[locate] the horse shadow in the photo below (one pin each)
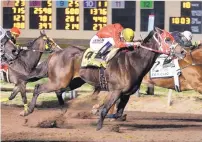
(160, 127)
(159, 123)
(50, 104)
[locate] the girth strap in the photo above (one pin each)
(103, 80)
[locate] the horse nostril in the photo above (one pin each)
(15, 52)
(182, 52)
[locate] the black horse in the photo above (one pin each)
(26, 62)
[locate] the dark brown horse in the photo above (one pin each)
(25, 63)
(190, 78)
(191, 74)
(125, 71)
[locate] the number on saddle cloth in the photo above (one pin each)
(88, 59)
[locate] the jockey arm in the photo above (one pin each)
(9, 35)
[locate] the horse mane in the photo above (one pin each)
(149, 36)
(81, 48)
(30, 44)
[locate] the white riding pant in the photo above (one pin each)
(97, 43)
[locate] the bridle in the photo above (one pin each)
(48, 44)
(162, 42)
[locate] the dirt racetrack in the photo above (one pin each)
(77, 124)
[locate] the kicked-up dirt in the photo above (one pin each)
(78, 124)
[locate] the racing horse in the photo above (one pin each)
(190, 78)
(125, 72)
(26, 61)
(64, 69)
(191, 74)
(8, 50)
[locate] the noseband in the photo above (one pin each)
(162, 43)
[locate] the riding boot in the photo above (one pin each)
(103, 51)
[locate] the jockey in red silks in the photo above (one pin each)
(113, 35)
(13, 34)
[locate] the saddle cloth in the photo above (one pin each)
(161, 71)
(169, 70)
(89, 59)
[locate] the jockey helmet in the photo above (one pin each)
(128, 34)
(15, 32)
(188, 35)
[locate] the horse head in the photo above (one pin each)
(167, 44)
(8, 49)
(44, 43)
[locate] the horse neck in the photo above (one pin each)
(148, 58)
(142, 60)
(28, 59)
(194, 57)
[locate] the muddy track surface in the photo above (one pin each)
(51, 124)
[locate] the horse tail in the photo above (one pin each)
(41, 71)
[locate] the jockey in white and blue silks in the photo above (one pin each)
(113, 35)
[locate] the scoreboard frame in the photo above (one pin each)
(81, 33)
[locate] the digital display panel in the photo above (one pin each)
(95, 14)
(13, 14)
(40, 14)
(67, 15)
(124, 12)
(157, 9)
(191, 18)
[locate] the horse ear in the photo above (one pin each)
(158, 30)
(43, 32)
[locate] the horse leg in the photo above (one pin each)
(121, 105)
(114, 96)
(150, 89)
(59, 96)
(24, 98)
(16, 89)
(96, 91)
(40, 88)
(199, 88)
(75, 83)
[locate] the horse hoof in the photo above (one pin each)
(22, 113)
(122, 118)
(94, 111)
(98, 128)
(63, 110)
(112, 119)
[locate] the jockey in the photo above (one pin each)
(184, 38)
(113, 35)
(13, 34)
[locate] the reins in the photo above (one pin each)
(154, 50)
(37, 50)
(160, 45)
